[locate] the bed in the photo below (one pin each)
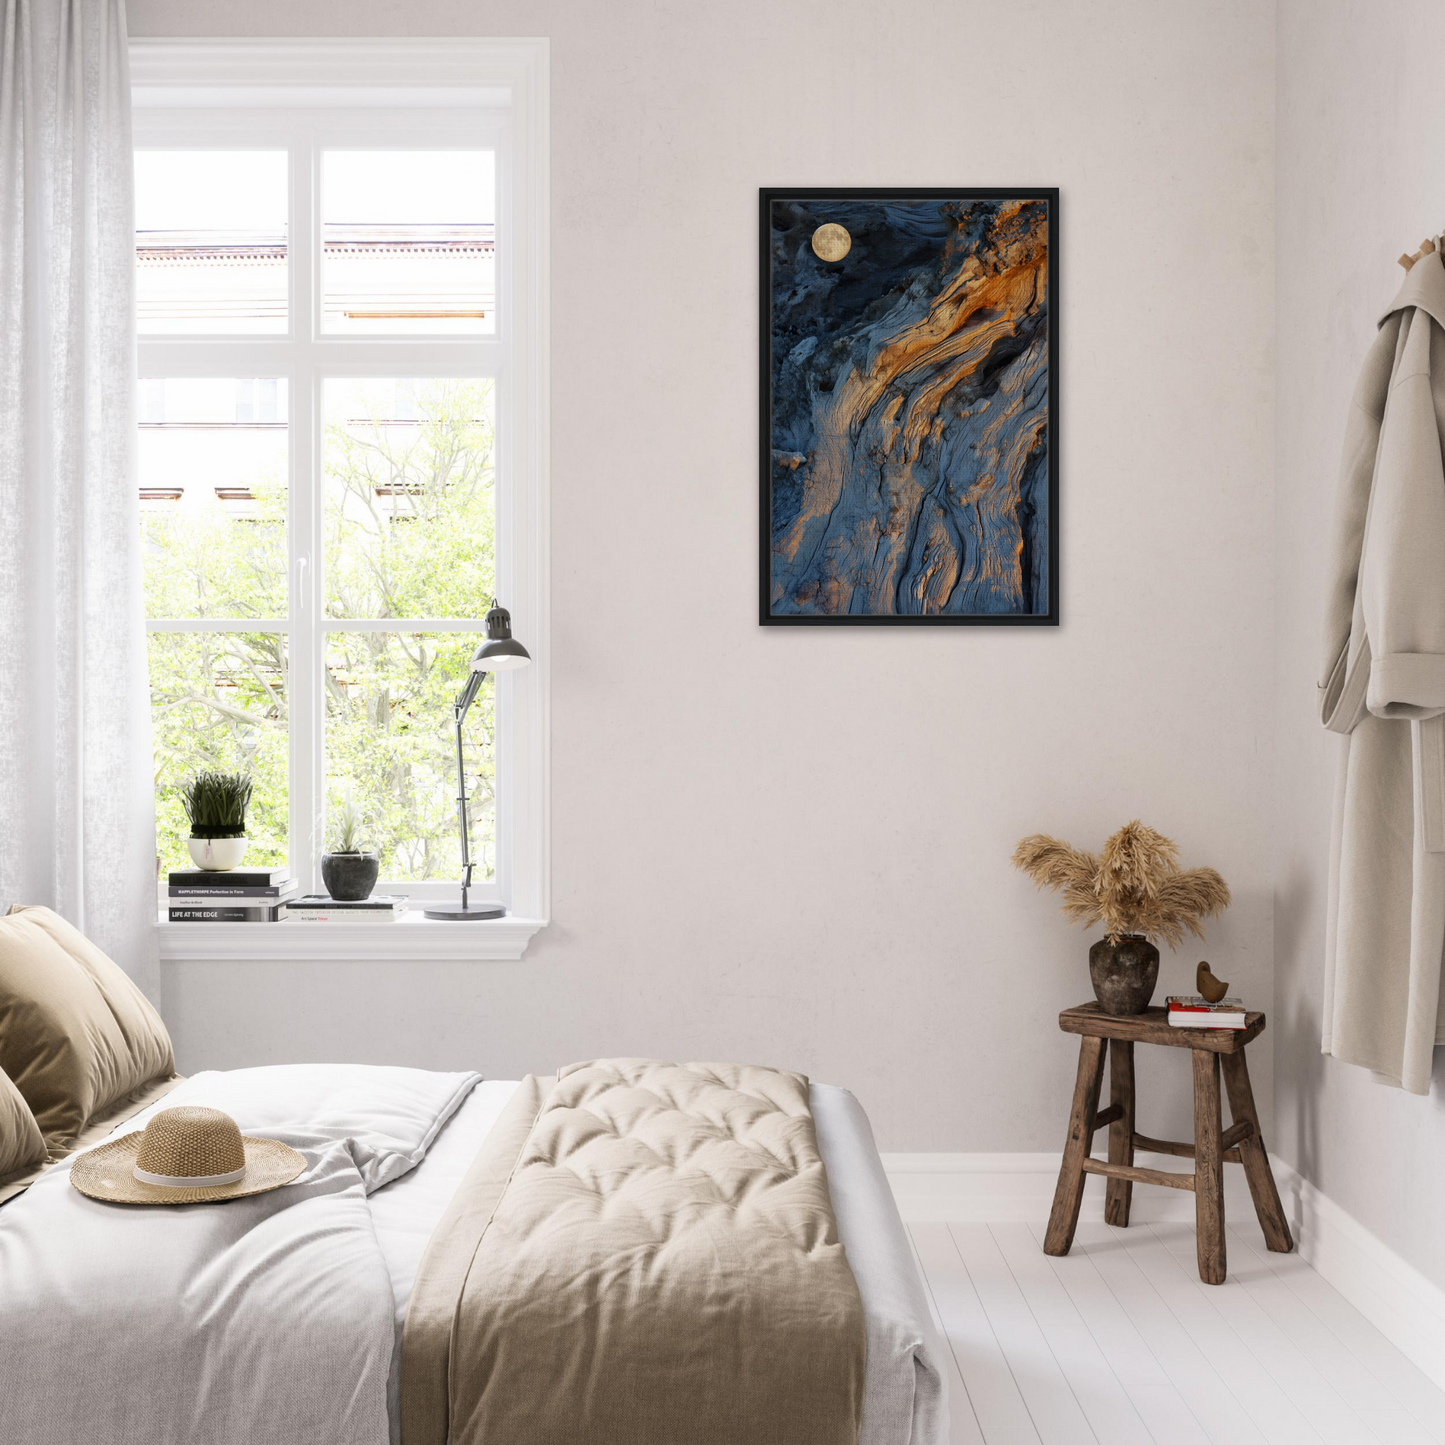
(628, 1252)
(88, 1313)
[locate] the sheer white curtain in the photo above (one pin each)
(76, 799)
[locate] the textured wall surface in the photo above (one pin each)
(1361, 179)
(910, 409)
(790, 845)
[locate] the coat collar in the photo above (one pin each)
(1424, 287)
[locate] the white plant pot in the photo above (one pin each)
(217, 854)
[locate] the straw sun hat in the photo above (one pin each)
(187, 1155)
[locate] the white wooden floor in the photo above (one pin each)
(1120, 1344)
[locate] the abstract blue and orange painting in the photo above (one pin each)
(909, 403)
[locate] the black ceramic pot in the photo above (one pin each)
(1124, 973)
(350, 877)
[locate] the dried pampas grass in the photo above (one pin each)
(1134, 886)
(1070, 871)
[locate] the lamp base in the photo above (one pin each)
(460, 912)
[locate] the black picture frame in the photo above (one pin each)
(768, 197)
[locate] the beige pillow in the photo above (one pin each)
(76, 1035)
(21, 1145)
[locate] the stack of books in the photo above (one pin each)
(1193, 1011)
(318, 908)
(240, 895)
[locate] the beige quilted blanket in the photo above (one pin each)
(644, 1254)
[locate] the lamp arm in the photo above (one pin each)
(467, 695)
(460, 707)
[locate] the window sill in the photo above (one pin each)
(411, 937)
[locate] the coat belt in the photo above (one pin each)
(1343, 708)
(1342, 696)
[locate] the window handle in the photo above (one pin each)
(301, 565)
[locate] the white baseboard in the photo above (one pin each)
(1405, 1306)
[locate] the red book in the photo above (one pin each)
(1190, 1011)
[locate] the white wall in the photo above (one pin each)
(791, 846)
(1361, 178)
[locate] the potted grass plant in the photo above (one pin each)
(216, 805)
(1137, 890)
(350, 869)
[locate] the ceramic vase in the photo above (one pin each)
(1124, 973)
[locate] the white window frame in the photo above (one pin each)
(381, 94)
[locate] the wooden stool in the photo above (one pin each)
(1241, 1143)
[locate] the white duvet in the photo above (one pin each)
(262, 1321)
(274, 1318)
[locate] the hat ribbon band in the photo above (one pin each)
(189, 1181)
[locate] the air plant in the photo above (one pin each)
(1135, 886)
(347, 832)
(216, 804)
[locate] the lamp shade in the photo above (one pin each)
(501, 651)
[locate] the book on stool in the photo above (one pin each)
(1194, 1011)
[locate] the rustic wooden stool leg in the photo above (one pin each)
(1255, 1157)
(1064, 1218)
(1208, 1168)
(1119, 1193)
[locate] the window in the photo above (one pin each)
(341, 439)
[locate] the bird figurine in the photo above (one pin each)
(1210, 987)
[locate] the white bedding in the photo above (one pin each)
(904, 1401)
(263, 1321)
(278, 1318)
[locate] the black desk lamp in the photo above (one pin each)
(499, 653)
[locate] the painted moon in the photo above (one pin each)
(831, 242)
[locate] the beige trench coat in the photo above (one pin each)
(1384, 688)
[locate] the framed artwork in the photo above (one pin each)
(909, 407)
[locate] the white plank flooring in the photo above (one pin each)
(1120, 1344)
